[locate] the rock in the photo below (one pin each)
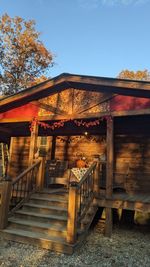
(126, 248)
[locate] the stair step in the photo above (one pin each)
(50, 229)
(55, 190)
(45, 206)
(54, 201)
(52, 195)
(45, 209)
(60, 194)
(58, 191)
(52, 243)
(58, 219)
(50, 198)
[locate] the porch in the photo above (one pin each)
(126, 168)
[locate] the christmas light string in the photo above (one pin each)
(61, 123)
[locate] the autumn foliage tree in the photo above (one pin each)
(24, 59)
(135, 75)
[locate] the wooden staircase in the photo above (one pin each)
(42, 221)
(56, 219)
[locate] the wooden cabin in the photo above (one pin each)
(76, 143)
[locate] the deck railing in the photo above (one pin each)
(13, 194)
(81, 197)
(24, 185)
(85, 192)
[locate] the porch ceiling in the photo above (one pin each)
(122, 125)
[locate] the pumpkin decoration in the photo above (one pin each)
(81, 163)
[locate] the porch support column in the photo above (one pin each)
(53, 147)
(109, 173)
(41, 173)
(33, 143)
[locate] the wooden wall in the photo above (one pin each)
(19, 155)
(70, 148)
(60, 147)
(132, 157)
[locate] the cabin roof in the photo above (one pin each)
(84, 82)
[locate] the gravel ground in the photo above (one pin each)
(126, 248)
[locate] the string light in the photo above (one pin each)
(61, 123)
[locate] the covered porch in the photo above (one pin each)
(123, 169)
(56, 123)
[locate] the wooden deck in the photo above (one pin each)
(137, 202)
(144, 198)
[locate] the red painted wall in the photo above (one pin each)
(118, 103)
(26, 111)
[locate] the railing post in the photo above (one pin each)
(72, 213)
(6, 187)
(96, 177)
(41, 173)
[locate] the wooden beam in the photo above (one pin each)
(105, 98)
(97, 115)
(33, 143)
(106, 81)
(110, 157)
(10, 156)
(48, 107)
(131, 112)
(5, 130)
(108, 222)
(41, 173)
(5, 195)
(110, 85)
(37, 89)
(72, 215)
(80, 116)
(97, 177)
(109, 173)
(16, 119)
(123, 204)
(53, 148)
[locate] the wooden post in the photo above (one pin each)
(109, 174)
(72, 214)
(6, 187)
(41, 174)
(10, 157)
(96, 177)
(33, 143)
(53, 147)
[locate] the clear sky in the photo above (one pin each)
(91, 37)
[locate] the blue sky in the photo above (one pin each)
(91, 37)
